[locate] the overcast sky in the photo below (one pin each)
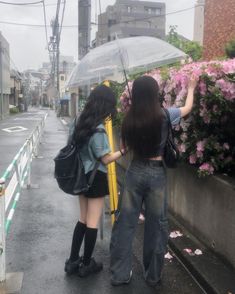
(28, 44)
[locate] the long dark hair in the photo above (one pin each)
(101, 104)
(141, 128)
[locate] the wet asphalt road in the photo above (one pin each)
(40, 236)
(11, 140)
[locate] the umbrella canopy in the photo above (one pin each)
(137, 54)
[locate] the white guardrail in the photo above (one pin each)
(16, 176)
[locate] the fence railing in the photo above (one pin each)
(15, 177)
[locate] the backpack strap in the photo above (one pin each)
(93, 173)
(100, 130)
(169, 122)
(167, 114)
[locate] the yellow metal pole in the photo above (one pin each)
(112, 178)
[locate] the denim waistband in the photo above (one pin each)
(149, 162)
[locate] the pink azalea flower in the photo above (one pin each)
(202, 88)
(226, 146)
(121, 98)
(201, 145)
(192, 158)
(182, 148)
(184, 137)
(206, 118)
(215, 108)
(177, 127)
(199, 154)
(207, 167)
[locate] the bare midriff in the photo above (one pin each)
(155, 158)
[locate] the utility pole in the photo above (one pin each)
(1, 80)
(54, 45)
(84, 27)
(84, 34)
(56, 33)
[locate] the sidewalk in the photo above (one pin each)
(39, 239)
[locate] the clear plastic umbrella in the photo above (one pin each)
(136, 54)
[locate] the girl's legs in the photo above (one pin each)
(123, 234)
(72, 263)
(155, 231)
(94, 212)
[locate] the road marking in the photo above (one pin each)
(15, 129)
(28, 118)
(34, 113)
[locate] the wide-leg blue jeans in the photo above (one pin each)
(145, 182)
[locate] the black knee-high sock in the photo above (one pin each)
(78, 235)
(89, 244)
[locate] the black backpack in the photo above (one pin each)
(69, 169)
(171, 152)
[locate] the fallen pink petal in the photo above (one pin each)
(198, 252)
(189, 251)
(168, 255)
(175, 234)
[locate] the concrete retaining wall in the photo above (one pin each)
(206, 207)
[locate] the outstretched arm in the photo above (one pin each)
(113, 156)
(186, 109)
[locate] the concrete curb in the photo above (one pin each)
(209, 270)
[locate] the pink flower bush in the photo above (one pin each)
(206, 169)
(206, 138)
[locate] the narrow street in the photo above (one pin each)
(160, 76)
(39, 239)
(14, 131)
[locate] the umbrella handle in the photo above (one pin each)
(123, 67)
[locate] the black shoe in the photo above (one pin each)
(92, 267)
(72, 267)
(119, 283)
(156, 285)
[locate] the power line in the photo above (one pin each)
(22, 24)
(101, 24)
(22, 3)
(51, 4)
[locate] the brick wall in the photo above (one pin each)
(219, 27)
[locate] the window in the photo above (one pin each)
(111, 22)
(62, 78)
(129, 9)
(158, 11)
(152, 10)
(148, 10)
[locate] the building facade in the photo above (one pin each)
(4, 76)
(16, 96)
(199, 21)
(66, 65)
(219, 27)
(127, 18)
